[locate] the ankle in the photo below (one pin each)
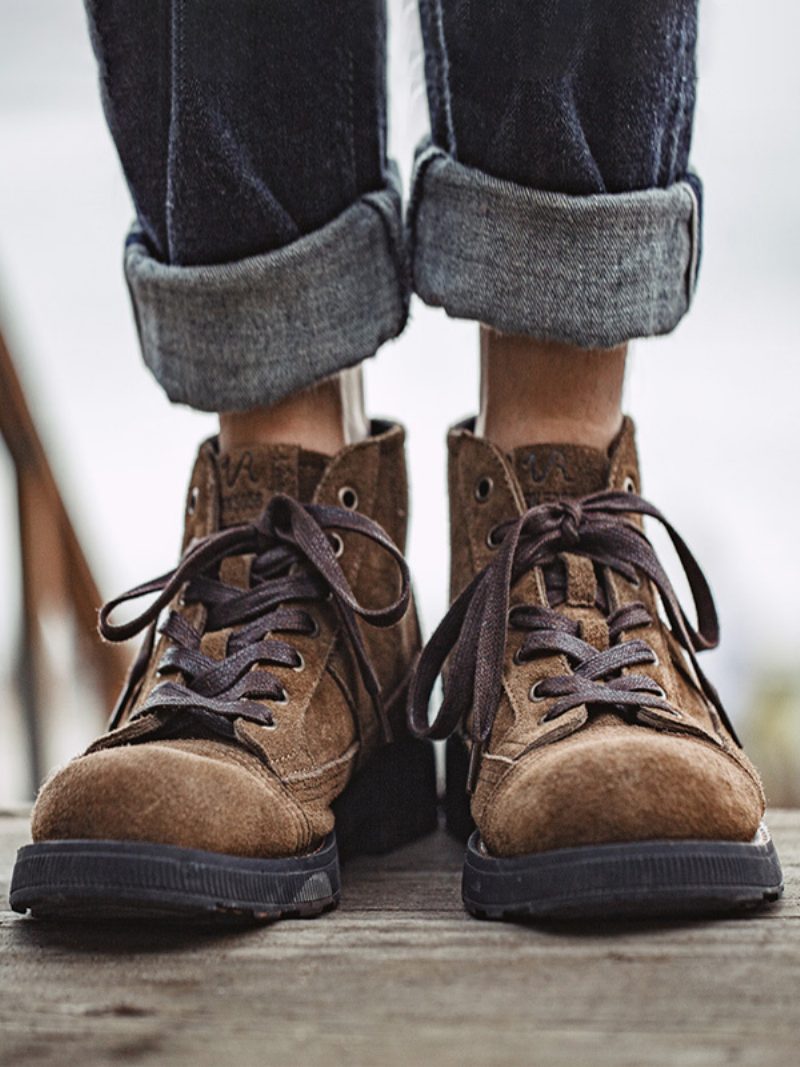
(323, 418)
(542, 392)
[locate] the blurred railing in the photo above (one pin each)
(56, 580)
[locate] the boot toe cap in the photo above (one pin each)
(165, 795)
(592, 791)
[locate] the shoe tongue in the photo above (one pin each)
(250, 475)
(548, 472)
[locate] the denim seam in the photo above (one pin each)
(397, 252)
(436, 43)
(351, 146)
(176, 94)
(396, 244)
(425, 155)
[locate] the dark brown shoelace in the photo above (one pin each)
(293, 563)
(474, 631)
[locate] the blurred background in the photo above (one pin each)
(716, 403)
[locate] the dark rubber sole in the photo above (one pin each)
(389, 804)
(640, 879)
(126, 879)
(652, 878)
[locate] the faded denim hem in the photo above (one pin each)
(593, 271)
(232, 336)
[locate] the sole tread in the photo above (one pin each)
(636, 880)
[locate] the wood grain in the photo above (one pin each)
(401, 975)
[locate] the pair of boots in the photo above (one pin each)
(277, 715)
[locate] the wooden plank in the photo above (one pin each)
(401, 975)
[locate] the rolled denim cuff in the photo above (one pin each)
(232, 336)
(593, 271)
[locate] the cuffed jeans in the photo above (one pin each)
(553, 198)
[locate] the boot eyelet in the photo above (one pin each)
(660, 693)
(282, 699)
(483, 489)
(533, 693)
(194, 496)
(269, 725)
(348, 497)
(301, 665)
(517, 660)
(338, 545)
(315, 630)
(629, 486)
(493, 539)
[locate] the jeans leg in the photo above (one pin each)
(268, 248)
(555, 198)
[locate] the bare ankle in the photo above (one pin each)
(323, 418)
(537, 392)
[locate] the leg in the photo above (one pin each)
(538, 391)
(268, 252)
(573, 219)
(323, 417)
(585, 121)
(601, 771)
(257, 718)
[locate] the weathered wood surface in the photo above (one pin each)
(400, 975)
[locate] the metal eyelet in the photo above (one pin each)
(492, 540)
(282, 699)
(338, 545)
(269, 725)
(662, 695)
(348, 497)
(194, 496)
(533, 694)
(315, 631)
(483, 489)
(301, 666)
(629, 486)
(516, 659)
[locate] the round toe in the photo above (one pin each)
(598, 789)
(167, 795)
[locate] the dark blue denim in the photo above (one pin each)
(554, 199)
(243, 124)
(270, 251)
(567, 96)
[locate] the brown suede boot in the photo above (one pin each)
(604, 776)
(258, 713)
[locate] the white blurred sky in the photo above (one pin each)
(716, 403)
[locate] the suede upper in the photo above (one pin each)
(669, 768)
(264, 788)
